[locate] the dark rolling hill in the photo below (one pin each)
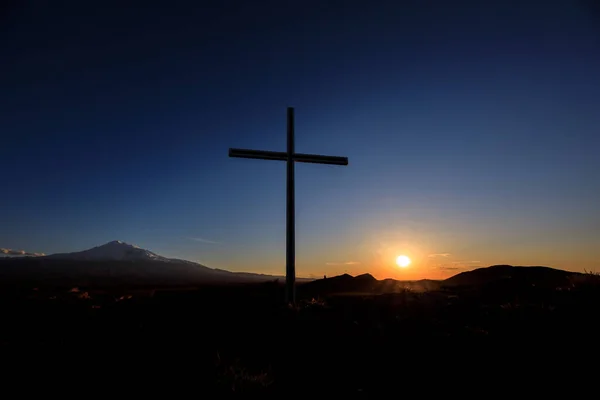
(513, 275)
(364, 283)
(497, 276)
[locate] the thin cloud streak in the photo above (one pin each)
(448, 267)
(11, 252)
(343, 263)
(439, 255)
(201, 240)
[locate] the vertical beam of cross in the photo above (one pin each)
(290, 237)
(290, 157)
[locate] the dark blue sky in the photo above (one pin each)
(472, 129)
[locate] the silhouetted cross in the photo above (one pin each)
(290, 156)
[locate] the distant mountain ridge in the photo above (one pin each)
(111, 251)
(498, 275)
(114, 251)
(117, 262)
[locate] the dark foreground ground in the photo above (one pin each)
(463, 341)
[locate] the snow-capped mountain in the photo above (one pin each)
(119, 263)
(112, 251)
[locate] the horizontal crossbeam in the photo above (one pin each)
(317, 159)
(259, 154)
(282, 156)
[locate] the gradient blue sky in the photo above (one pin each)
(473, 131)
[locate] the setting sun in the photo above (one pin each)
(403, 261)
